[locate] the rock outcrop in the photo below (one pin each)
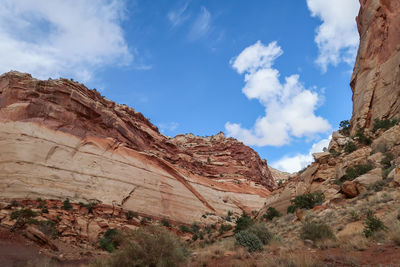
(60, 140)
(376, 77)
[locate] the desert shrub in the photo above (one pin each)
(307, 201)
(377, 186)
(334, 153)
(356, 171)
(372, 224)
(243, 222)
(354, 216)
(130, 215)
(261, 232)
(316, 231)
(344, 127)
(185, 229)
(383, 124)
(291, 209)
(271, 213)
(248, 240)
(385, 172)
(111, 240)
(48, 228)
(362, 138)
(23, 216)
(150, 246)
(349, 147)
(195, 228)
(224, 228)
(66, 205)
(386, 161)
(165, 223)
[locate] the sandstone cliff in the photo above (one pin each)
(60, 140)
(376, 77)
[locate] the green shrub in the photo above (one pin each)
(66, 205)
(373, 224)
(261, 232)
(185, 229)
(165, 223)
(224, 228)
(385, 172)
(195, 228)
(377, 186)
(150, 246)
(356, 171)
(130, 215)
(249, 240)
(291, 209)
(349, 147)
(271, 213)
(386, 161)
(344, 127)
(111, 240)
(308, 201)
(362, 138)
(23, 216)
(195, 237)
(334, 153)
(384, 124)
(243, 222)
(316, 231)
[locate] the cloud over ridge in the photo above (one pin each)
(53, 38)
(289, 107)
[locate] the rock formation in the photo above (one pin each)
(61, 140)
(376, 77)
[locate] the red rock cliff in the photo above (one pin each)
(376, 77)
(59, 139)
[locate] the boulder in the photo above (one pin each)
(350, 189)
(369, 178)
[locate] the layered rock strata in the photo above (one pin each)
(60, 140)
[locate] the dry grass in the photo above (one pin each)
(293, 260)
(353, 242)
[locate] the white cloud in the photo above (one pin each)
(337, 37)
(295, 163)
(289, 107)
(177, 17)
(60, 38)
(201, 25)
(168, 126)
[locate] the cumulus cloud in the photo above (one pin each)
(337, 37)
(295, 163)
(289, 107)
(54, 38)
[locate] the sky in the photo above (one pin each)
(272, 73)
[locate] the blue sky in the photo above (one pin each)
(272, 73)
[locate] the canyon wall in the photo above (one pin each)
(60, 140)
(376, 77)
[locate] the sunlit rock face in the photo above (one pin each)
(60, 140)
(376, 77)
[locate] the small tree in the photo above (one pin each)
(243, 223)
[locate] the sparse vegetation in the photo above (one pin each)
(130, 215)
(224, 228)
(349, 147)
(243, 223)
(111, 240)
(344, 127)
(261, 231)
(362, 138)
(316, 231)
(306, 201)
(185, 229)
(165, 223)
(48, 228)
(386, 161)
(149, 246)
(23, 217)
(271, 213)
(66, 205)
(334, 153)
(384, 124)
(356, 171)
(249, 240)
(372, 225)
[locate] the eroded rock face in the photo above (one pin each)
(376, 77)
(60, 140)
